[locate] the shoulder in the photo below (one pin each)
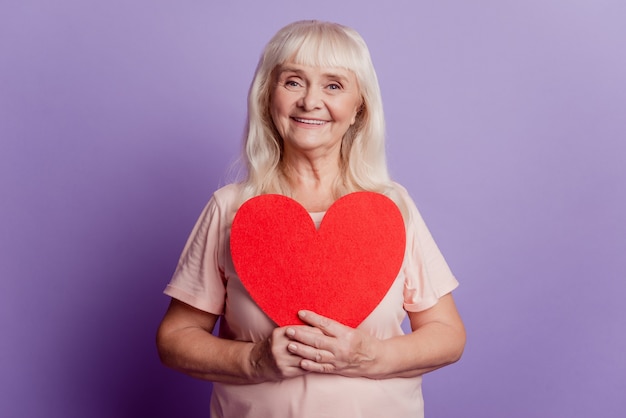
(399, 194)
(228, 194)
(223, 203)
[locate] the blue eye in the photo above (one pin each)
(334, 86)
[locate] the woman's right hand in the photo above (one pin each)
(186, 343)
(272, 360)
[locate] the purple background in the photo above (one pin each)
(506, 121)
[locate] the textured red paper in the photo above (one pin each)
(342, 271)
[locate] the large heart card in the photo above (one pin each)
(341, 270)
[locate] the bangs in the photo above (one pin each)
(322, 45)
(327, 52)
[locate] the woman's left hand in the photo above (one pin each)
(337, 349)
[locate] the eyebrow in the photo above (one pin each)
(298, 71)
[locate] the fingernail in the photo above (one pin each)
(292, 347)
(290, 332)
(301, 314)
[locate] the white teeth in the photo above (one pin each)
(310, 121)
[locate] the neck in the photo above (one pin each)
(312, 181)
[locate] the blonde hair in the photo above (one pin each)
(322, 44)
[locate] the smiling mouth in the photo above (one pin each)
(310, 121)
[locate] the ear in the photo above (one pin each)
(357, 111)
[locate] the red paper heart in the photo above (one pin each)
(342, 271)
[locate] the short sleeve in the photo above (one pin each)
(198, 279)
(427, 274)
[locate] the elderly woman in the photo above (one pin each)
(315, 133)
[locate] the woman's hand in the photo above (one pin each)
(272, 360)
(331, 347)
(437, 339)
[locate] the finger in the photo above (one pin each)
(291, 330)
(311, 353)
(327, 325)
(311, 337)
(312, 366)
(313, 360)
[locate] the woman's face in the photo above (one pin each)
(313, 107)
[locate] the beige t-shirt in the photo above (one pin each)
(206, 279)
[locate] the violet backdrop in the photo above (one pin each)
(506, 122)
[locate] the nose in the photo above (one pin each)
(311, 99)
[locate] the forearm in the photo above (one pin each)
(202, 355)
(186, 343)
(428, 348)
